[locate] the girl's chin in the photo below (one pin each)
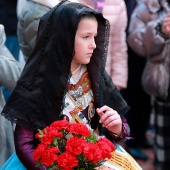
(86, 62)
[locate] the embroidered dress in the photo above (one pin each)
(77, 103)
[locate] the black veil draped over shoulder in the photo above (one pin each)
(38, 98)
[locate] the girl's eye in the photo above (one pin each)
(85, 37)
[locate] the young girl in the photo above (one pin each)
(64, 75)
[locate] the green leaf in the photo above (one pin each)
(38, 164)
(91, 138)
(45, 130)
(53, 167)
(40, 132)
(41, 136)
(55, 142)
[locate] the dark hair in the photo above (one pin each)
(90, 16)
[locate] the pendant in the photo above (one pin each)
(91, 110)
(76, 93)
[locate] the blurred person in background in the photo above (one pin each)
(9, 74)
(139, 115)
(148, 33)
(8, 18)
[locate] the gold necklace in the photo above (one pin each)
(76, 69)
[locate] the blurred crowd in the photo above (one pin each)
(139, 31)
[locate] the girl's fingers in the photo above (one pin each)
(104, 109)
(114, 119)
(112, 123)
(109, 122)
(100, 113)
(107, 117)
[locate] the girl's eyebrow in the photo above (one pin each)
(88, 33)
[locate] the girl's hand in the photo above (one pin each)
(110, 119)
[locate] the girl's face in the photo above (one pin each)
(85, 41)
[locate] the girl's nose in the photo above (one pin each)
(92, 44)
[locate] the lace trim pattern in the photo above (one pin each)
(36, 67)
(106, 43)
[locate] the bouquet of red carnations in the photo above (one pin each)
(70, 146)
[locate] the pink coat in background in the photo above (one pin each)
(117, 61)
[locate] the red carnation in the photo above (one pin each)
(108, 142)
(38, 152)
(66, 161)
(64, 147)
(49, 157)
(48, 137)
(60, 125)
(79, 129)
(75, 145)
(92, 152)
(106, 147)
